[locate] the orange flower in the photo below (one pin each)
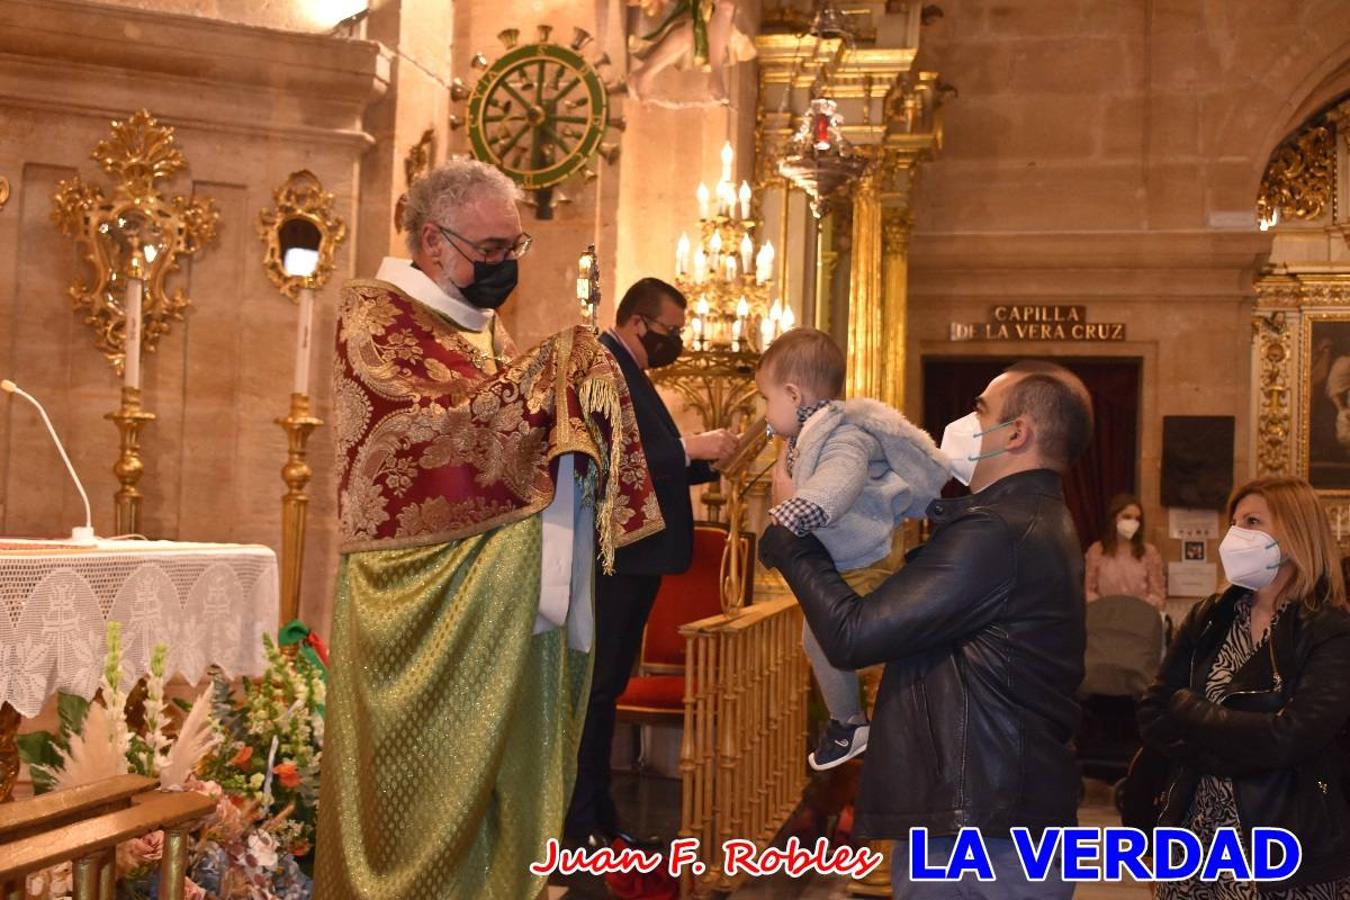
(287, 775)
(242, 757)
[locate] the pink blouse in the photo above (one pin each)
(1107, 576)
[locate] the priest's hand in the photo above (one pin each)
(711, 445)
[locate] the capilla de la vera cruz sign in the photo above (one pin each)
(1027, 322)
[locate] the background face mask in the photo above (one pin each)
(1127, 528)
(1250, 558)
(961, 442)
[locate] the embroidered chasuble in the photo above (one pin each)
(456, 699)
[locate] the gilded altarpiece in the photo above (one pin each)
(1301, 322)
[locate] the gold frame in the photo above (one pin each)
(115, 233)
(301, 197)
(1304, 440)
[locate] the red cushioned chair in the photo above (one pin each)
(656, 692)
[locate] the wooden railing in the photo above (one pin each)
(85, 825)
(742, 757)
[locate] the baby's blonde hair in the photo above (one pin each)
(809, 358)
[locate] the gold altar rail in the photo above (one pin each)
(85, 824)
(742, 755)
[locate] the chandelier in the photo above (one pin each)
(818, 158)
(729, 274)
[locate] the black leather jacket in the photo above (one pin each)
(982, 635)
(1277, 743)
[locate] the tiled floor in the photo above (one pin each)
(651, 806)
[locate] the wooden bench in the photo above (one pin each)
(86, 824)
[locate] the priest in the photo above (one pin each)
(476, 488)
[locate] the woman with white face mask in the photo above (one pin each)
(1122, 562)
(1253, 692)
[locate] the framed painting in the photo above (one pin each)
(1324, 432)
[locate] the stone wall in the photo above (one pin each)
(1108, 154)
(249, 106)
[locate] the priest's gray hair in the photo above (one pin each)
(441, 193)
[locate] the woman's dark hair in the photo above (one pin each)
(1111, 537)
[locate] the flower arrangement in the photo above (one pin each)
(255, 750)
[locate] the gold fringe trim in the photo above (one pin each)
(599, 398)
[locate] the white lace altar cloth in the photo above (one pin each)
(209, 603)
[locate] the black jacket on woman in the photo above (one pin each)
(982, 635)
(1278, 746)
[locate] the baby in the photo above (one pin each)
(857, 468)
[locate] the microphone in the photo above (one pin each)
(84, 535)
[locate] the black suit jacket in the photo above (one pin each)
(667, 552)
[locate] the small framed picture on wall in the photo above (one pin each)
(1193, 551)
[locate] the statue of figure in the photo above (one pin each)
(700, 34)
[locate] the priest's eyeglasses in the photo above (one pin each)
(491, 251)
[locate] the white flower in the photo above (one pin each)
(262, 849)
(256, 782)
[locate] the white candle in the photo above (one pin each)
(697, 325)
(702, 200)
(764, 263)
(700, 266)
(302, 340)
(131, 308)
(765, 334)
(736, 336)
(727, 156)
(682, 256)
(742, 308)
(747, 251)
(730, 267)
(789, 320)
(745, 200)
(715, 249)
(702, 307)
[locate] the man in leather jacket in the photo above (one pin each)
(982, 634)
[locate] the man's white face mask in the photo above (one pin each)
(962, 442)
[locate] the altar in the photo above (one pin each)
(208, 603)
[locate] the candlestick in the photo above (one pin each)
(682, 256)
(730, 265)
(295, 502)
(765, 334)
(700, 266)
(131, 364)
(715, 249)
(789, 320)
(747, 250)
(727, 156)
(702, 200)
(129, 420)
(742, 308)
(736, 336)
(745, 200)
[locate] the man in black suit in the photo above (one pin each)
(646, 335)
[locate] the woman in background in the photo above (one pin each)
(1122, 562)
(1253, 693)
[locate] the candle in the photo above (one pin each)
(682, 256)
(745, 200)
(701, 308)
(730, 267)
(742, 308)
(700, 266)
(715, 249)
(697, 325)
(789, 320)
(747, 250)
(765, 334)
(736, 336)
(131, 366)
(302, 340)
(727, 156)
(702, 200)
(764, 263)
